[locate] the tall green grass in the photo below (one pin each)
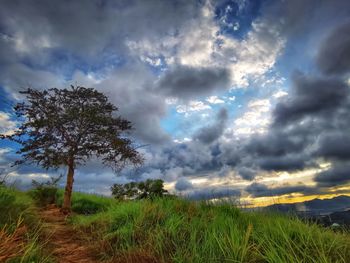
(176, 230)
(20, 229)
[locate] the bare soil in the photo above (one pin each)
(65, 244)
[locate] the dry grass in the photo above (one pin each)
(13, 242)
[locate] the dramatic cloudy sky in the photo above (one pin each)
(242, 99)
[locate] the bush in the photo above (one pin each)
(45, 193)
(86, 204)
(86, 207)
(141, 190)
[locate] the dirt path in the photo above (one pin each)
(64, 242)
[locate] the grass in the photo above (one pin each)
(170, 230)
(20, 229)
(176, 230)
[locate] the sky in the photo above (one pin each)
(245, 100)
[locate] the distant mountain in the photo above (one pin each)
(315, 206)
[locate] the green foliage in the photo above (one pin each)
(86, 204)
(45, 193)
(62, 126)
(12, 205)
(133, 190)
(175, 230)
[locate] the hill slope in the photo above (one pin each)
(176, 230)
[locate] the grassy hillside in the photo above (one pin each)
(169, 230)
(175, 230)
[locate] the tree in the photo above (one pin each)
(148, 189)
(66, 127)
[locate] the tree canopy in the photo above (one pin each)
(139, 190)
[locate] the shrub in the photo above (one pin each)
(86, 204)
(141, 190)
(45, 193)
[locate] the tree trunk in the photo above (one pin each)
(66, 207)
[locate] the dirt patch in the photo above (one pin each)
(67, 246)
(64, 242)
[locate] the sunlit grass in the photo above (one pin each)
(176, 230)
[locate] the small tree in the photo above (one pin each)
(66, 127)
(148, 189)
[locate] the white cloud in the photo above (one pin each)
(193, 105)
(279, 94)
(255, 120)
(7, 126)
(3, 152)
(262, 104)
(214, 100)
(183, 140)
(199, 44)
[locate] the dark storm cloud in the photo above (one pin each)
(334, 54)
(335, 146)
(337, 175)
(213, 192)
(262, 190)
(311, 96)
(186, 82)
(247, 173)
(183, 184)
(100, 24)
(275, 143)
(285, 163)
(209, 134)
(302, 17)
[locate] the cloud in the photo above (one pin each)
(213, 192)
(186, 82)
(192, 105)
(334, 55)
(7, 126)
(284, 163)
(280, 94)
(255, 120)
(183, 184)
(311, 96)
(334, 146)
(209, 134)
(337, 175)
(215, 100)
(132, 96)
(262, 190)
